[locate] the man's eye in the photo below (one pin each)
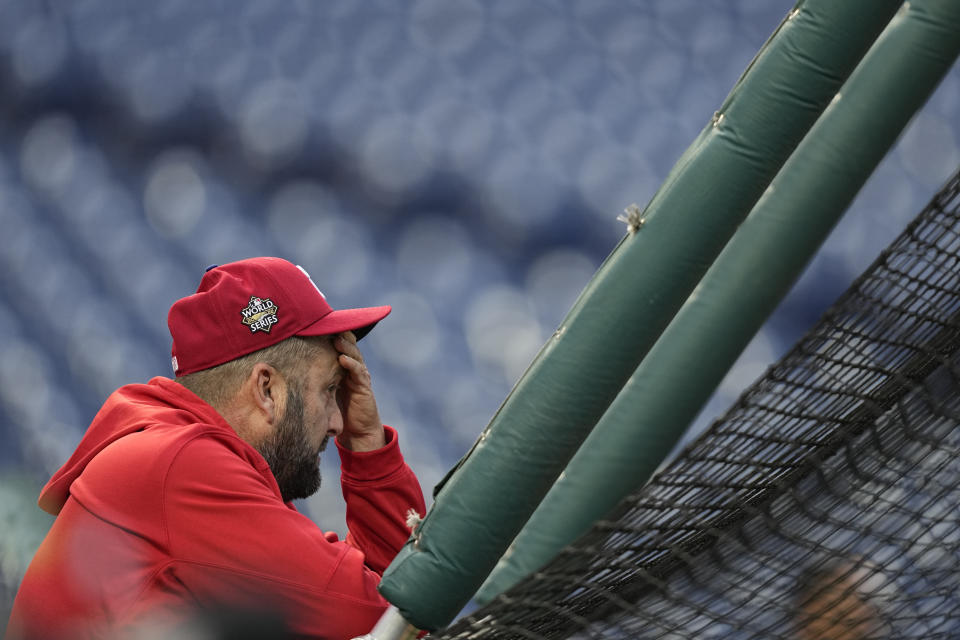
(333, 388)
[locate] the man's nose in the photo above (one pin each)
(335, 424)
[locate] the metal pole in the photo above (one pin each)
(391, 626)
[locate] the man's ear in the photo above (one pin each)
(267, 389)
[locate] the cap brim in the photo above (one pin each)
(360, 321)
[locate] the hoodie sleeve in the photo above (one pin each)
(381, 491)
(233, 540)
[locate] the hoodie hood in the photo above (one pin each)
(130, 409)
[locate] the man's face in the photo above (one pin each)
(310, 416)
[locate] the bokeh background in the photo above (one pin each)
(462, 160)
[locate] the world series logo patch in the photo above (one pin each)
(260, 314)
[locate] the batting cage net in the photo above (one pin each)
(822, 505)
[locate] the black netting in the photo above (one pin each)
(824, 504)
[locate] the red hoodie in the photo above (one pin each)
(163, 508)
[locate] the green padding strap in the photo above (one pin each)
(752, 274)
(626, 306)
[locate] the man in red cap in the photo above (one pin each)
(178, 497)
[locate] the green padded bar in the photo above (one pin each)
(626, 306)
(751, 276)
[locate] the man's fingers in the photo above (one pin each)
(346, 343)
(348, 338)
(361, 420)
(351, 364)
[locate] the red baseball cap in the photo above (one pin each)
(251, 304)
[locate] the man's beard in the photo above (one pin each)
(287, 450)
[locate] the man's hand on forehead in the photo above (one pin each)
(362, 428)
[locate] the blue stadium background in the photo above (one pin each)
(462, 160)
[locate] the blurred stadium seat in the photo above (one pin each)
(464, 161)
